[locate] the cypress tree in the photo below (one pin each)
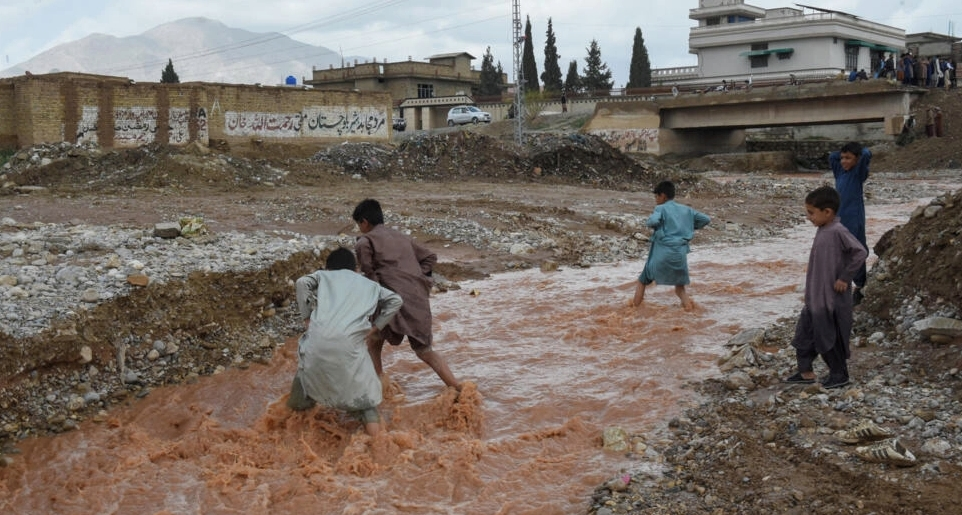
(490, 77)
(639, 72)
(597, 77)
(551, 77)
(528, 65)
(169, 76)
(572, 80)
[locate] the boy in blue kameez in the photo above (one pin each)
(674, 226)
(850, 168)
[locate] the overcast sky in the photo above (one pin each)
(397, 29)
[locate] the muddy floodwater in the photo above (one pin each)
(551, 360)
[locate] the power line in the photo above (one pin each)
(312, 55)
(321, 22)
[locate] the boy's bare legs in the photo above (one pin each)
(686, 301)
(439, 365)
(639, 294)
(374, 347)
(372, 428)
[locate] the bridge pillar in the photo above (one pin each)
(894, 125)
(700, 141)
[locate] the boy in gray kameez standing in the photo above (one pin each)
(825, 323)
(342, 310)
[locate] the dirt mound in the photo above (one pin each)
(467, 154)
(919, 260)
(68, 168)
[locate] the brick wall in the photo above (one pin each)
(8, 126)
(115, 112)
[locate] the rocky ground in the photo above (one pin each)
(97, 309)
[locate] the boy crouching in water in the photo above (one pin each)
(342, 310)
(825, 323)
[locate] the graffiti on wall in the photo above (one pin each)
(326, 121)
(630, 140)
(274, 125)
(202, 135)
(313, 122)
(87, 129)
(179, 132)
(134, 126)
(179, 126)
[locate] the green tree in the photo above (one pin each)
(572, 80)
(500, 71)
(490, 76)
(551, 77)
(529, 68)
(169, 76)
(597, 76)
(639, 72)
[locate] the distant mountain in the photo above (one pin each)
(201, 49)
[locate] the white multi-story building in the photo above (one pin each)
(737, 42)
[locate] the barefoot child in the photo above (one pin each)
(338, 306)
(399, 263)
(825, 323)
(674, 226)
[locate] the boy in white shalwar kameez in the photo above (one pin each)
(334, 367)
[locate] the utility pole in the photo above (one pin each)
(518, 33)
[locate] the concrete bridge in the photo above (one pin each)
(715, 122)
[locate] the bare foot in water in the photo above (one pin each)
(390, 389)
(686, 301)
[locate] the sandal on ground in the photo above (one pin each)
(798, 379)
(866, 431)
(835, 383)
(887, 451)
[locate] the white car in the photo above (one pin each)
(461, 115)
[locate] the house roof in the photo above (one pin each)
(931, 37)
(452, 54)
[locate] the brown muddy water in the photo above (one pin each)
(552, 360)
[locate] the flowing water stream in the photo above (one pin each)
(553, 359)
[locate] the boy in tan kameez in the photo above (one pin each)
(400, 264)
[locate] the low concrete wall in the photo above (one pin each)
(499, 110)
(628, 126)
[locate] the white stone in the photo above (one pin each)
(931, 211)
(86, 354)
(754, 337)
(939, 326)
(519, 248)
